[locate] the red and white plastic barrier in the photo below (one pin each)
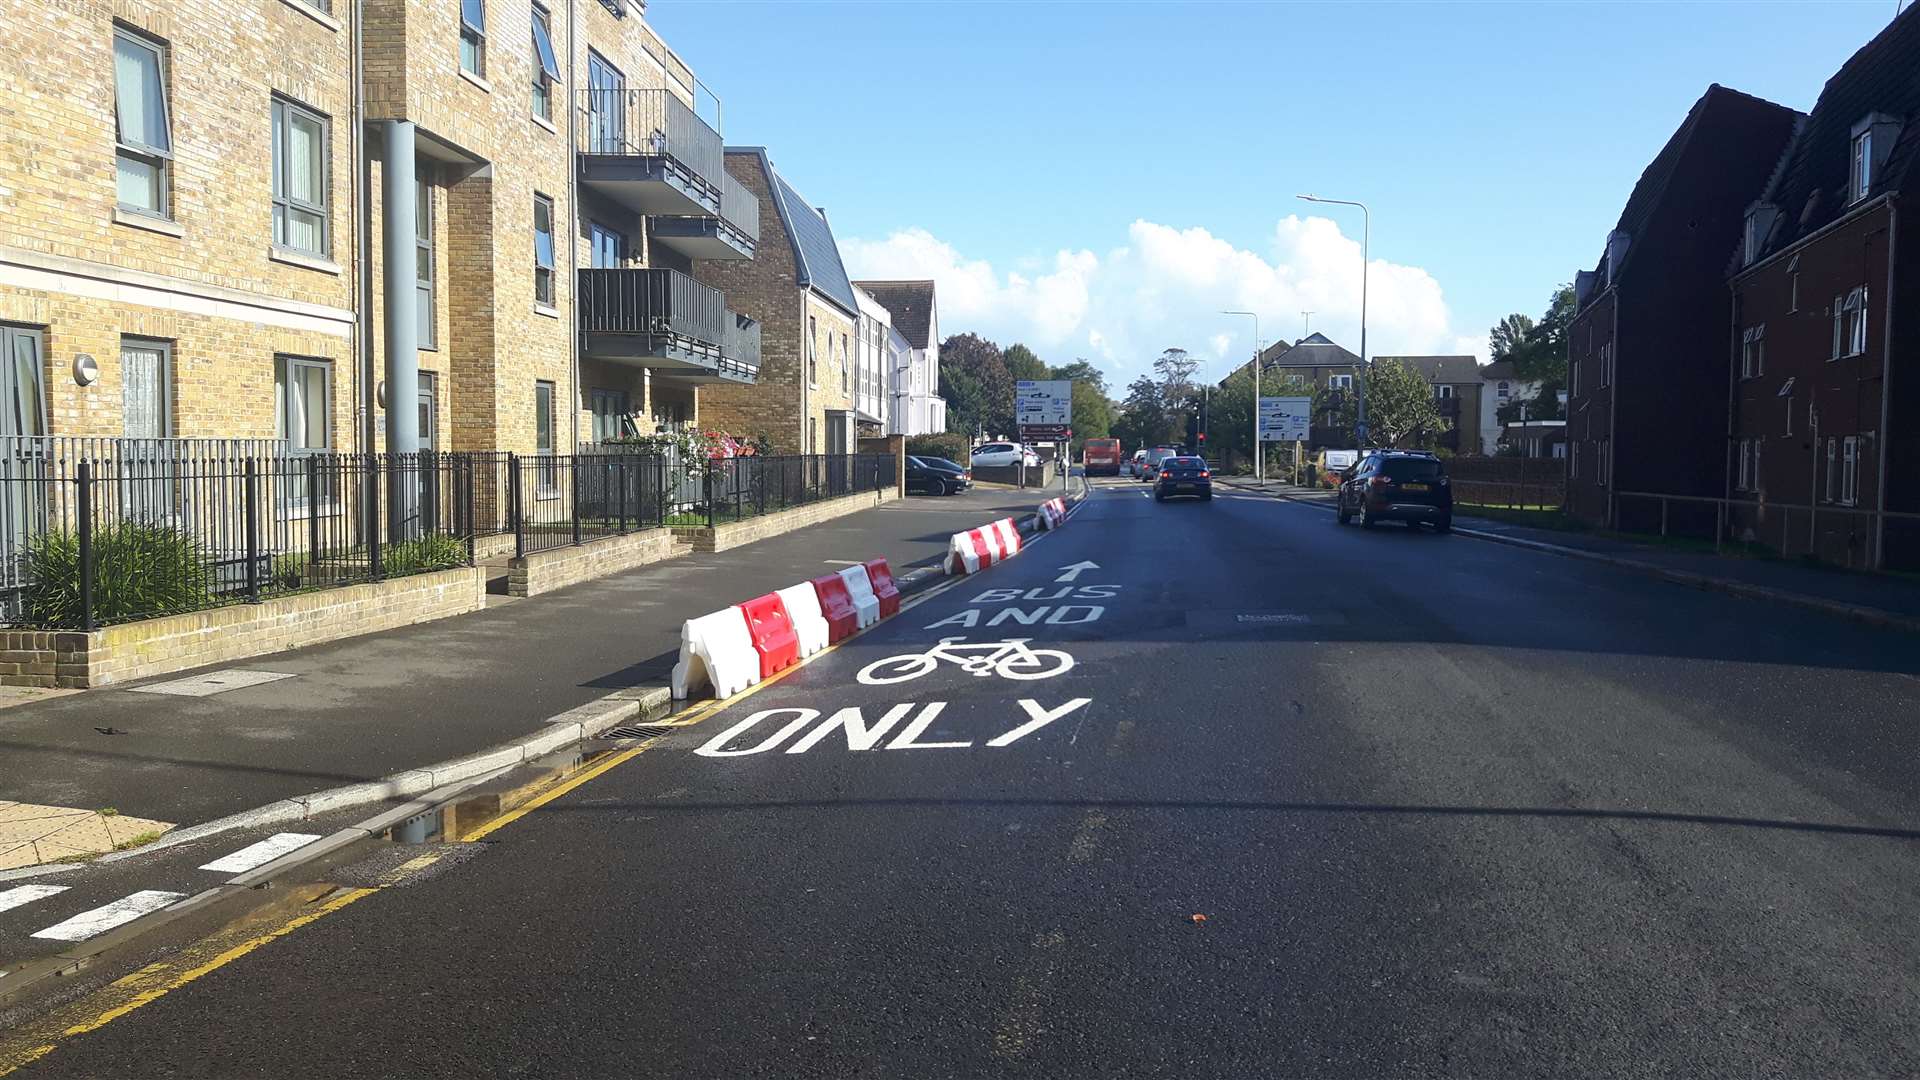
(716, 650)
(971, 551)
(1052, 513)
(734, 648)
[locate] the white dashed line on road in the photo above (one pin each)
(26, 894)
(93, 923)
(262, 853)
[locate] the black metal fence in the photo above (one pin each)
(744, 487)
(558, 500)
(94, 541)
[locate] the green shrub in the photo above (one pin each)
(139, 570)
(951, 446)
(424, 554)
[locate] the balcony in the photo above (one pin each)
(732, 235)
(662, 320)
(740, 352)
(1447, 406)
(649, 152)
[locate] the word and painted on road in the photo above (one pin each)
(1009, 659)
(1268, 618)
(851, 723)
(1065, 615)
(1074, 570)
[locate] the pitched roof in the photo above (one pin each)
(1810, 186)
(816, 257)
(1499, 369)
(1440, 369)
(1314, 350)
(1647, 193)
(911, 305)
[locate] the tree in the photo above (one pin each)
(1144, 419)
(1230, 410)
(1400, 405)
(1509, 335)
(1022, 364)
(1174, 370)
(1092, 412)
(978, 388)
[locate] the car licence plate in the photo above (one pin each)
(1413, 487)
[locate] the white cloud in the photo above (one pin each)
(1165, 287)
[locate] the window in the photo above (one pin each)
(1839, 335)
(544, 471)
(1753, 351)
(1340, 382)
(609, 414)
(1573, 461)
(143, 145)
(1850, 469)
(1793, 284)
(1743, 471)
(473, 37)
(1603, 466)
(1861, 177)
(423, 263)
(300, 194)
(813, 365)
(606, 248)
(1573, 376)
(1606, 364)
(1854, 316)
(546, 68)
(1832, 488)
(1504, 390)
(813, 434)
(542, 250)
(606, 105)
(1443, 391)
(303, 400)
(23, 408)
(145, 368)
(844, 386)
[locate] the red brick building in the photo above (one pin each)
(1824, 380)
(1646, 371)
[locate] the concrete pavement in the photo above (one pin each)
(1441, 808)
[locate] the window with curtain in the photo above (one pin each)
(423, 263)
(609, 412)
(1855, 309)
(543, 250)
(300, 194)
(143, 144)
(303, 390)
(546, 66)
(473, 37)
(143, 389)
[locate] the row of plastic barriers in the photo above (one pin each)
(736, 647)
(971, 551)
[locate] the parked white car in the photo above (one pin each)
(1002, 453)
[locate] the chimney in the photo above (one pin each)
(1616, 253)
(1583, 283)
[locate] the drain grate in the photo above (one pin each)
(636, 732)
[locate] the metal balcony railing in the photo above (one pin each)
(741, 349)
(651, 123)
(651, 302)
(739, 207)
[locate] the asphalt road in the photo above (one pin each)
(1448, 808)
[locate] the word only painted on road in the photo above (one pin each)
(852, 724)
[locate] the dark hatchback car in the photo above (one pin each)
(936, 476)
(1398, 485)
(1183, 475)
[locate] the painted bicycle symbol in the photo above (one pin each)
(1009, 659)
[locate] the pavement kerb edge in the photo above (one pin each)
(1854, 612)
(574, 725)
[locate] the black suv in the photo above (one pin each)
(1398, 485)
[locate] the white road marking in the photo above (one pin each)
(93, 923)
(1075, 570)
(1040, 718)
(216, 682)
(262, 853)
(842, 562)
(21, 895)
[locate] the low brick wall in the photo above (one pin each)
(734, 534)
(546, 571)
(492, 547)
(136, 650)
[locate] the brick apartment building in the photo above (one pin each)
(798, 289)
(1317, 360)
(1825, 390)
(1646, 369)
(183, 250)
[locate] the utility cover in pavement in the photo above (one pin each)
(217, 682)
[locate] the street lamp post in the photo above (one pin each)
(1360, 378)
(1259, 452)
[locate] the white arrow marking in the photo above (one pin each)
(1076, 570)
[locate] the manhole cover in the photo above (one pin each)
(634, 732)
(215, 682)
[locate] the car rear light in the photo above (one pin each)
(1204, 474)
(1380, 481)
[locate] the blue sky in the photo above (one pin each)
(1098, 178)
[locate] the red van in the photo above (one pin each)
(1102, 457)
